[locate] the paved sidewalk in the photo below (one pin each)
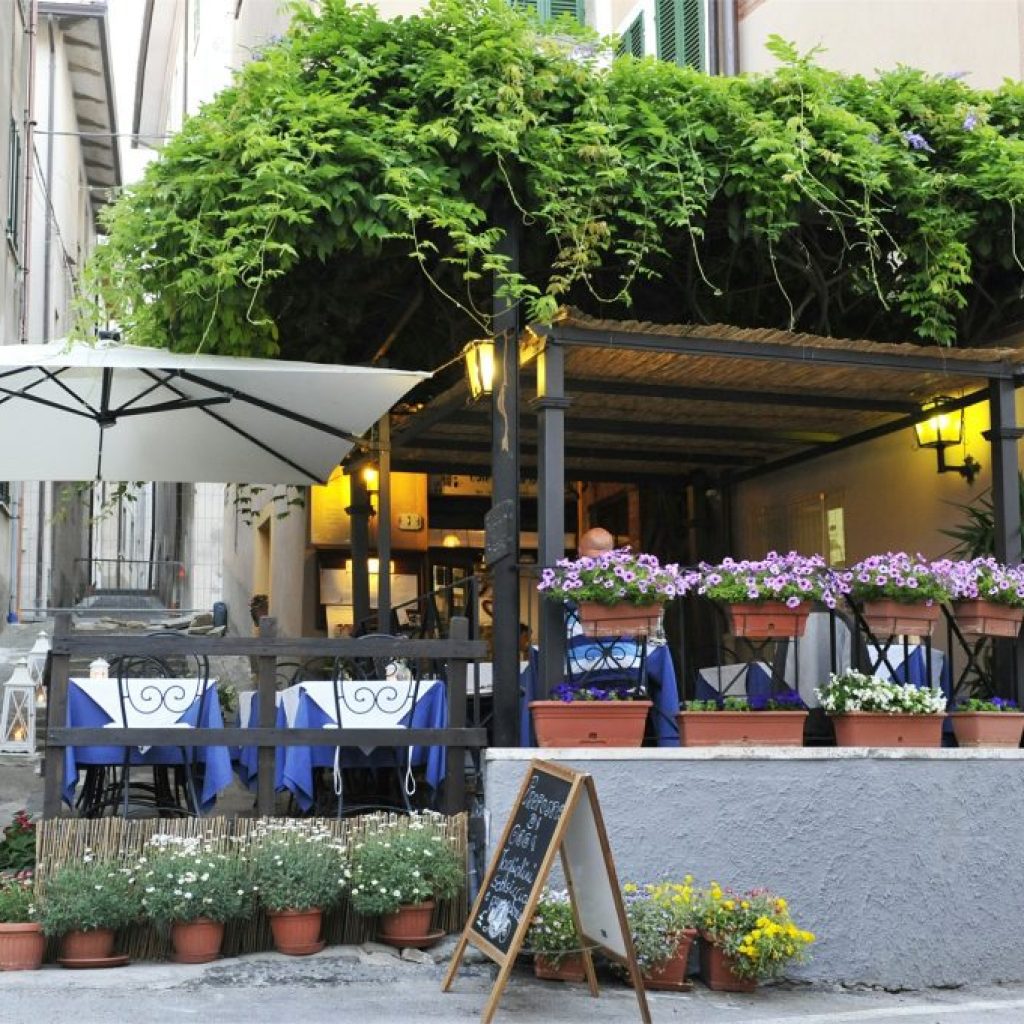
(369, 986)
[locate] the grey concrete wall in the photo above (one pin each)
(905, 864)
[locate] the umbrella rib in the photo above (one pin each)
(44, 401)
(248, 437)
(53, 378)
(185, 403)
(262, 403)
(147, 391)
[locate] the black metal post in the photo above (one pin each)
(551, 404)
(504, 569)
(1003, 437)
(384, 526)
(359, 513)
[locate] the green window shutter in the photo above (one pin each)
(547, 9)
(680, 26)
(632, 40)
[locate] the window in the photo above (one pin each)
(680, 25)
(632, 40)
(548, 9)
(14, 185)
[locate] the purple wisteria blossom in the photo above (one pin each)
(970, 122)
(915, 140)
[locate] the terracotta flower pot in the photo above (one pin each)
(590, 723)
(570, 968)
(983, 618)
(741, 728)
(988, 728)
(769, 619)
(296, 932)
(670, 974)
(892, 618)
(96, 944)
(618, 619)
(21, 946)
(716, 969)
(196, 942)
(410, 921)
(876, 729)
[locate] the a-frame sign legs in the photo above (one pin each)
(555, 814)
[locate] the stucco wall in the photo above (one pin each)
(904, 864)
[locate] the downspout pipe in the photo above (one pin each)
(48, 229)
(730, 38)
(32, 34)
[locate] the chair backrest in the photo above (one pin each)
(187, 678)
(606, 658)
(374, 683)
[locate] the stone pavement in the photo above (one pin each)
(371, 986)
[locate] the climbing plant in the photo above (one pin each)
(351, 174)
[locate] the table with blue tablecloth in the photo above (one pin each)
(310, 705)
(96, 704)
(661, 683)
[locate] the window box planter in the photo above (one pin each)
(769, 619)
(894, 618)
(590, 723)
(985, 618)
(988, 728)
(622, 619)
(741, 728)
(568, 968)
(878, 729)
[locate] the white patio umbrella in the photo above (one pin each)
(120, 412)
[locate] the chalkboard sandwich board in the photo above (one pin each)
(555, 813)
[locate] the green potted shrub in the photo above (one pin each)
(21, 935)
(679, 900)
(298, 872)
(770, 597)
(772, 721)
(656, 939)
(746, 938)
(871, 712)
(987, 722)
(398, 872)
(86, 902)
(192, 888)
(553, 939)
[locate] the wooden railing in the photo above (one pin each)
(457, 652)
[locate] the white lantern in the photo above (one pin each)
(18, 714)
(37, 666)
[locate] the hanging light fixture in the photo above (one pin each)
(18, 713)
(942, 429)
(479, 356)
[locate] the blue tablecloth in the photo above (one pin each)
(661, 682)
(296, 775)
(247, 760)
(216, 761)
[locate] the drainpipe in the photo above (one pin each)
(48, 230)
(31, 33)
(730, 38)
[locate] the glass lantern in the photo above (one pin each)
(37, 666)
(18, 712)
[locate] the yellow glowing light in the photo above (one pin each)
(371, 477)
(944, 428)
(451, 540)
(479, 357)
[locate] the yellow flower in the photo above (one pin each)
(729, 904)
(780, 904)
(630, 887)
(745, 905)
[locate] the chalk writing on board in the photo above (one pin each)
(519, 862)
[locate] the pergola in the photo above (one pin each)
(639, 402)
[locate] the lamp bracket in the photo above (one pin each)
(969, 469)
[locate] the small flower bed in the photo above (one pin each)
(186, 879)
(552, 931)
(296, 866)
(88, 895)
(616, 577)
(984, 579)
(987, 704)
(17, 903)
(397, 866)
(652, 926)
(791, 578)
(855, 691)
(898, 576)
(568, 694)
(754, 929)
(775, 702)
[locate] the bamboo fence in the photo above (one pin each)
(62, 841)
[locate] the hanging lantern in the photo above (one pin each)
(18, 713)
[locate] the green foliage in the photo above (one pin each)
(552, 931)
(286, 216)
(186, 879)
(90, 894)
(976, 536)
(652, 925)
(297, 866)
(18, 847)
(398, 865)
(17, 905)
